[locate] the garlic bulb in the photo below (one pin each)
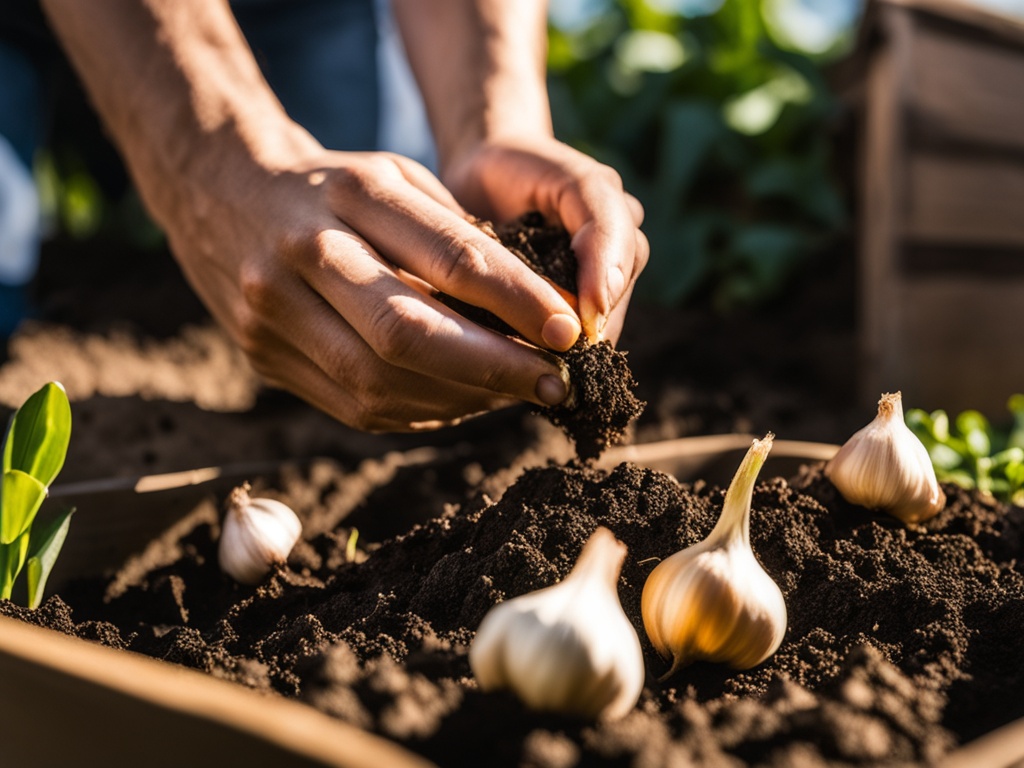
(885, 466)
(257, 534)
(567, 648)
(713, 600)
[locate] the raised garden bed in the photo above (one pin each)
(899, 645)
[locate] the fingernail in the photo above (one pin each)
(616, 285)
(560, 332)
(551, 390)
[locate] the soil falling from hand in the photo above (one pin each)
(602, 402)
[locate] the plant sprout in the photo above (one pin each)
(34, 449)
(973, 453)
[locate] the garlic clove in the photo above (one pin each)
(257, 535)
(567, 648)
(713, 601)
(885, 466)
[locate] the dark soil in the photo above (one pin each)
(900, 640)
(601, 403)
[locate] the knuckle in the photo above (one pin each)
(366, 419)
(492, 378)
(610, 177)
(258, 287)
(251, 335)
(599, 178)
(457, 261)
(643, 252)
(359, 178)
(394, 330)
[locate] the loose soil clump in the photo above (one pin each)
(602, 401)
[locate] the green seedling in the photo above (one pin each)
(973, 453)
(34, 449)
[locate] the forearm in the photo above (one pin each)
(481, 67)
(176, 86)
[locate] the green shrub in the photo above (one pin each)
(721, 132)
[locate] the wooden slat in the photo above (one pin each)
(69, 702)
(955, 344)
(965, 200)
(968, 91)
(881, 191)
(985, 20)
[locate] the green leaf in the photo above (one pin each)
(45, 545)
(1015, 474)
(975, 430)
(1016, 406)
(20, 498)
(12, 558)
(920, 423)
(961, 477)
(37, 440)
(1008, 456)
(944, 457)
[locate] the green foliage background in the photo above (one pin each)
(719, 130)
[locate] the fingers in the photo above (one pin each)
(334, 370)
(421, 230)
(587, 197)
(636, 210)
(413, 333)
(616, 319)
(603, 220)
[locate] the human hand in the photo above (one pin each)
(320, 265)
(501, 179)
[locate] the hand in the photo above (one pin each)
(502, 179)
(320, 265)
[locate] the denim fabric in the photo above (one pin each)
(21, 102)
(320, 57)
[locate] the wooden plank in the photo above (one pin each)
(880, 192)
(967, 91)
(965, 200)
(958, 343)
(984, 20)
(70, 702)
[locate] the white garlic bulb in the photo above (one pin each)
(257, 534)
(567, 648)
(885, 466)
(713, 601)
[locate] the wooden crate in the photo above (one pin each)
(939, 95)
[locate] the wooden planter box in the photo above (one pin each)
(939, 97)
(69, 702)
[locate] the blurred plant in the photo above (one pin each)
(74, 203)
(974, 453)
(720, 128)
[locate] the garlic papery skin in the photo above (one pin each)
(713, 601)
(257, 535)
(568, 648)
(885, 466)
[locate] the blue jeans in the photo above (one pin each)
(319, 56)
